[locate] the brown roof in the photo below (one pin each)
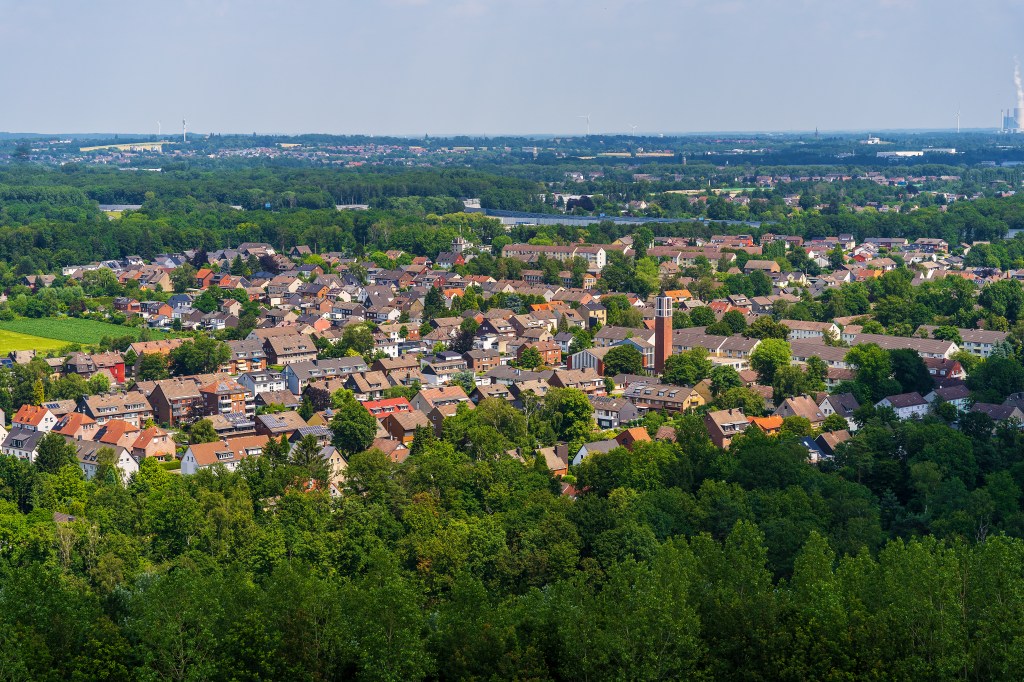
(206, 454)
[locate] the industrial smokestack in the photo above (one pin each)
(1020, 93)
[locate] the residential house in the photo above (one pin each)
(999, 413)
(32, 418)
(132, 407)
(611, 413)
(77, 425)
(262, 381)
(586, 380)
(177, 401)
(906, 405)
(279, 424)
(843, 404)
(402, 426)
(724, 425)
(227, 396)
(600, 446)
(667, 397)
(367, 385)
(247, 355)
(153, 442)
(88, 455)
(287, 349)
(226, 453)
(957, 395)
(801, 406)
(800, 330)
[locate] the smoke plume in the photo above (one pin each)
(1020, 93)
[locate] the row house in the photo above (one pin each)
(130, 407)
(247, 355)
(800, 330)
(289, 348)
(298, 375)
(586, 380)
(665, 397)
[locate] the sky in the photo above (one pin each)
(488, 67)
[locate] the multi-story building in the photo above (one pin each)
(227, 396)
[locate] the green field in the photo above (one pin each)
(14, 341)
(70, 329)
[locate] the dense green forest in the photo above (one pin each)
(49, 218)
(679, 561)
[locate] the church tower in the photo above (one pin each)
(662, 331)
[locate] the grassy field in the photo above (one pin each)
(69, 329)
(14, 341)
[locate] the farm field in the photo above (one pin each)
(69, 329)
(14, 341)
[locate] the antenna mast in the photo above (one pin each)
(183, 130)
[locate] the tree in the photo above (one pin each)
(789, 381)
(624, 359)
(723, 378)
(463, 343)
(766, 328)
(996, 378)
(642, 240)
(183, 277)
(54, 452)
(353, 426)
(796, 427)
(834, 422)
(433, 304)
(530, 358)
(688, 367)
(769, 356)
(152, 367)
(910, 371)
(99, 383)
(702, 316)
(200, 356)
(874, 370)
(357, 338)
(948, 332)
(276, 451)
(202, 431)
(306, 408)
(736, 321)
(569, 413)
(306, 454)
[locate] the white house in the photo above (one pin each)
(88, 453)
(906, 405)
(227, 453)
(957, 395)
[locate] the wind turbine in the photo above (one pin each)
(158, 129)
(957, 114)
(587, 117)
(633, 129)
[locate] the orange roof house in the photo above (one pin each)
(629, 437)
(770, 425)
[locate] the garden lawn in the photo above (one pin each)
(14, 341)
(70, 329)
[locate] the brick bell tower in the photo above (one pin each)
(662, 331)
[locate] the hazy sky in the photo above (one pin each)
(505, 66)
